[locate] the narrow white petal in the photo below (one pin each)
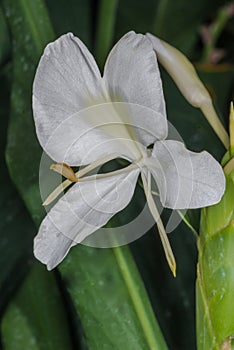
(81, 211)
(186, 179)
(183, 73)
(67, 80)
(131, 75)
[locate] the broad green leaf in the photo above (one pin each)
(35, 318)
(114, 308)
(16, 226)
(20, 14)
(90, 270)
(172, 298)
(4, 39)
(31, 31)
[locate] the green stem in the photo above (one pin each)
(215, 31)
(141, 303)
(186, 221)
(105, 29)
(159, 20)
(231, 130)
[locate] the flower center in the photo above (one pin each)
(141, 162)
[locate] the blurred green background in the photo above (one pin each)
(68, 308)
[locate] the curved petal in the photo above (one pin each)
(186, 179)
(81, 211)
(67, 80)
(131, 74)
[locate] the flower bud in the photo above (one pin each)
(184, 75)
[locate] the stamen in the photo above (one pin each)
(231, 129)
(65, 184)
(57, 191)
(229, 167)
(154, 211)
(65, 170)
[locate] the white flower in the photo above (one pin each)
(83, 118)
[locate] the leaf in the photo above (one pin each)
(4, 39)
(27, 321)
(172, 298)
(108, 292)
(28, 43)
(89, 273)
(17, 222)
(14, 251)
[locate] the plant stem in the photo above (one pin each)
(216, 29)
(231, 129)
(159, 20)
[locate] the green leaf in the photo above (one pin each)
(27, 43)
(16, 226)
(107, 290)
(172, 298)
(4, 39)
(100, 281)
(31, 31)
(27, 321)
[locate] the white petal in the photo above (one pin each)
(72, 120)
(184, 74)
(103, 130)
(131, 75)
(81, 211)
(67, 80)
(186, 179)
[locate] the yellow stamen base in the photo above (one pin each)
(64, 170)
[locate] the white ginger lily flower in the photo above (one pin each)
(83, 118)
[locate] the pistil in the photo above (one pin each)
(154, 211)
